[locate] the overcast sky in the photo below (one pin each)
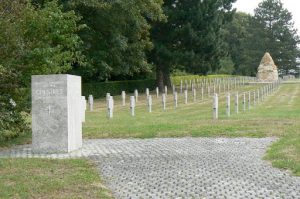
(292, 5)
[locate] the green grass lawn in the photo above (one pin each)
(42, 178)
(278, 115)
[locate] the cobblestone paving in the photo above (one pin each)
(184, 168)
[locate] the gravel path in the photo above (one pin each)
(184, 168)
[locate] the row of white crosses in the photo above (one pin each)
(257, 95)
(216, 83)
(134, 99)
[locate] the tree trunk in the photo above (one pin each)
(167, 79)
(160, 78)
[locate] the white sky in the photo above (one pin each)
(293, 6)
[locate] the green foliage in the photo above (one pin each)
(34, 40)
(226, 66)
(191, 39)
(38, 40)
(115, 88)
(270, 30)
(177, 79)
(240, 39)
(178, 72)
(117, 37)
(12, 122)
(281, 37)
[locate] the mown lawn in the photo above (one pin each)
(278, 115)
(44, 178)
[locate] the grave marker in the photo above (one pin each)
(132, 105)
(136, 95)
(236, 102)
(244, 101)
(110, 107)
(147, 93)
(83, 101)
(150, 104)
(215, 106)
(175, 99)
(163, 101)
(166, 90)
(91, 102)
(123, 98)
(228, 104)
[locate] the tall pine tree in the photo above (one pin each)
(191, 39)
(280, 36)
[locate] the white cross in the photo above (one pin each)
(49, 109)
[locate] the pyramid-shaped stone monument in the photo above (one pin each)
(267, 70)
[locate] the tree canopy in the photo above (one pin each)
(117, 37)
(271, 30)
(38, 40)
(191, 39)
(280, 35)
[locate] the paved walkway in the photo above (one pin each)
(184, 168)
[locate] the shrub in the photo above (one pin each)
(116, 87)
(12, 106)
(12, 122)
(176, 79)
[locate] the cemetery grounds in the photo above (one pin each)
(278, 115)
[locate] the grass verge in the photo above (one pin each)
(44, 178)
(278, 115)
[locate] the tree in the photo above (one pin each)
(12, 122)
(117, 38)
(38, 40)
(191, 39)
(281, 36)
(33, 40)
(245, 43)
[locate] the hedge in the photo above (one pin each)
(176, 79)
(100, 89)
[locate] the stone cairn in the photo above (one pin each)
(267, 70)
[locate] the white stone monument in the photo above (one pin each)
(56, 113)
(228, 104)
(244, 101)
(147, 93)
(150, 103)
(132, 105)
(249, 100)
(185, 96)
(166, 90)
(175, 99)
(236, 102)
(83, 108)
(91, 102)
(110, 107)
(180, 86)
(136, 95)
(123, 98)
(215, 106)
(164, 101)
(107, 98)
